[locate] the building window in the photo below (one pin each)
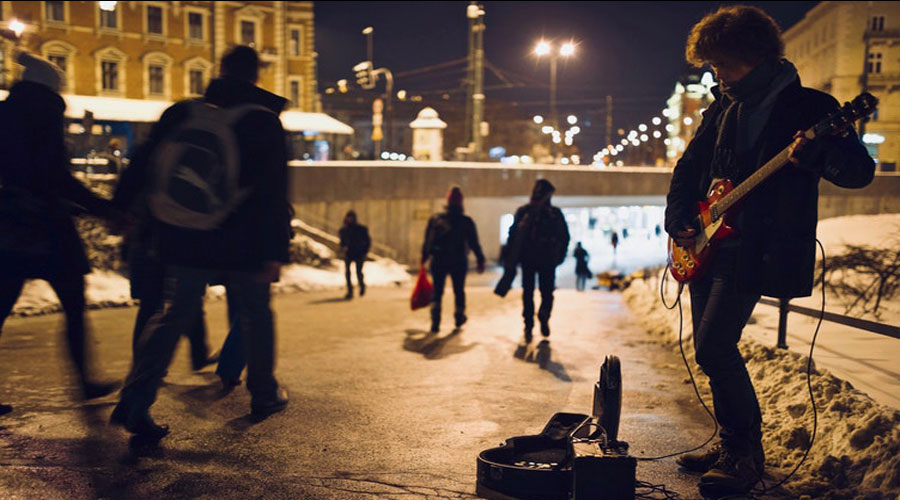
(154, 20)
(294, 48)
(56, 11)
(195, 26)
(196, 84)
(248, 33)
(878, 23)
(109, 19)
(295, 93)
(157, 76)
(874, 63)
(110, 75)
(59, 60)
(2, 68)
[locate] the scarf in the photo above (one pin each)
(748, 105)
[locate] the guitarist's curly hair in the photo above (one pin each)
(736, 32)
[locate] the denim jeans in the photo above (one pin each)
(719, 316)
(183, 290)
(232, 360)
(359, 273)
(458, 277)
(547, 283)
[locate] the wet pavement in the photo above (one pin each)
(379, 409)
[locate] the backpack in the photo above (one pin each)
(196, 168)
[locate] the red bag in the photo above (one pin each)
(421, 295)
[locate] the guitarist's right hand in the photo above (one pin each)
(685, 237)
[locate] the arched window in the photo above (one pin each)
(61, 54)
(197, 72)
(110, 71)
(157, 75)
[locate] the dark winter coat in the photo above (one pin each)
(33, 158)
(581, 262)
(355, 241)
(259, 229)
(546, 238)
(448, 238)
(776, 221)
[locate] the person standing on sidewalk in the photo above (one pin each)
(760, 106)
(541, 234)
(355, 244)
(38, 195)
(582, 272)
(239, 231)
(448, 238)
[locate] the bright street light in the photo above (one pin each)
(17, 27)
(642, 127)
(567, 49)
(644, 138)
(657, 134)
(575, 130)
(365, 31)
(546, 129)
(542, 48)
(108, 6)
(656, 120)
(572, 119)
(538, 119)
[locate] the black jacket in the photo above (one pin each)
(33, 157)
(448, 238)
(546, 238)
(355, 241)
(777, 222)
(259, 229)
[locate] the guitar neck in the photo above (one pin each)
(763, 173)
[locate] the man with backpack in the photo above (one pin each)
(217, 171)
(539, 241)
(448, 238)
(355, 244)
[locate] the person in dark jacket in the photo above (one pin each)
(245, 251)
(760, 106)
(37, 188)
(448, 238)
(355, 244)
(582, 272)
(541, 235)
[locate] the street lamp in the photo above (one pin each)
(368, 30)
(545, 48)
(108, 6)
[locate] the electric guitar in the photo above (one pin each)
(687, 263)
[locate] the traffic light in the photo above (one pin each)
(364, 76)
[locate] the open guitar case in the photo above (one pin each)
(575, 456)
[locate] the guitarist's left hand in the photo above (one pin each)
(800, 141)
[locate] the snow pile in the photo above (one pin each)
(314, 267)
(856, 453)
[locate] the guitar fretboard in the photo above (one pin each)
(741, 190)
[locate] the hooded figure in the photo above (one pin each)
(448, 238)
(538, 241)
(38, 197)
(355, 244)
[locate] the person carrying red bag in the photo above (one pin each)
(448, 238)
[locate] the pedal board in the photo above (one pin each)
(602, 473)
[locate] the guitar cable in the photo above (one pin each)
(753, 494)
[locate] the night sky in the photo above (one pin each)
(633, 51)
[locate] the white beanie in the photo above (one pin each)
(40, 70)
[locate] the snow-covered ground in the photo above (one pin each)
(110, 289)
(856, 381)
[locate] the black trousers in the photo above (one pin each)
(70, 291)
(359, 273)
(719, 316)
(439, 277)
(546, 276)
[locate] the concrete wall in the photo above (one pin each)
(396, 200)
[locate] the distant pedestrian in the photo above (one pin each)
(355, 243)
(582, 272)
(538, 241)
(241, 234)
(448, 238)
(614, 241)
(38, 239)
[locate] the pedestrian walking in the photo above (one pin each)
(38, 238)
(448, 238)
(239, 232)
(538, 242)
(759, 108)
(614, 241)
(355, 244)
(582, 272)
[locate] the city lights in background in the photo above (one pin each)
(17, 27)
(543, 48)
(538, 119)
(572, 119)
(567, 49)
(107, 6)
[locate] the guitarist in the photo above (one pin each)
(760, 106)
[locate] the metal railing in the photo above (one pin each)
(784, 306)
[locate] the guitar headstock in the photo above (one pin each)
(860, 108)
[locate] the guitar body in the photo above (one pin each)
(687, 264)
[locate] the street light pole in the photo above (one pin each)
(554, 118)
(368, 30)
